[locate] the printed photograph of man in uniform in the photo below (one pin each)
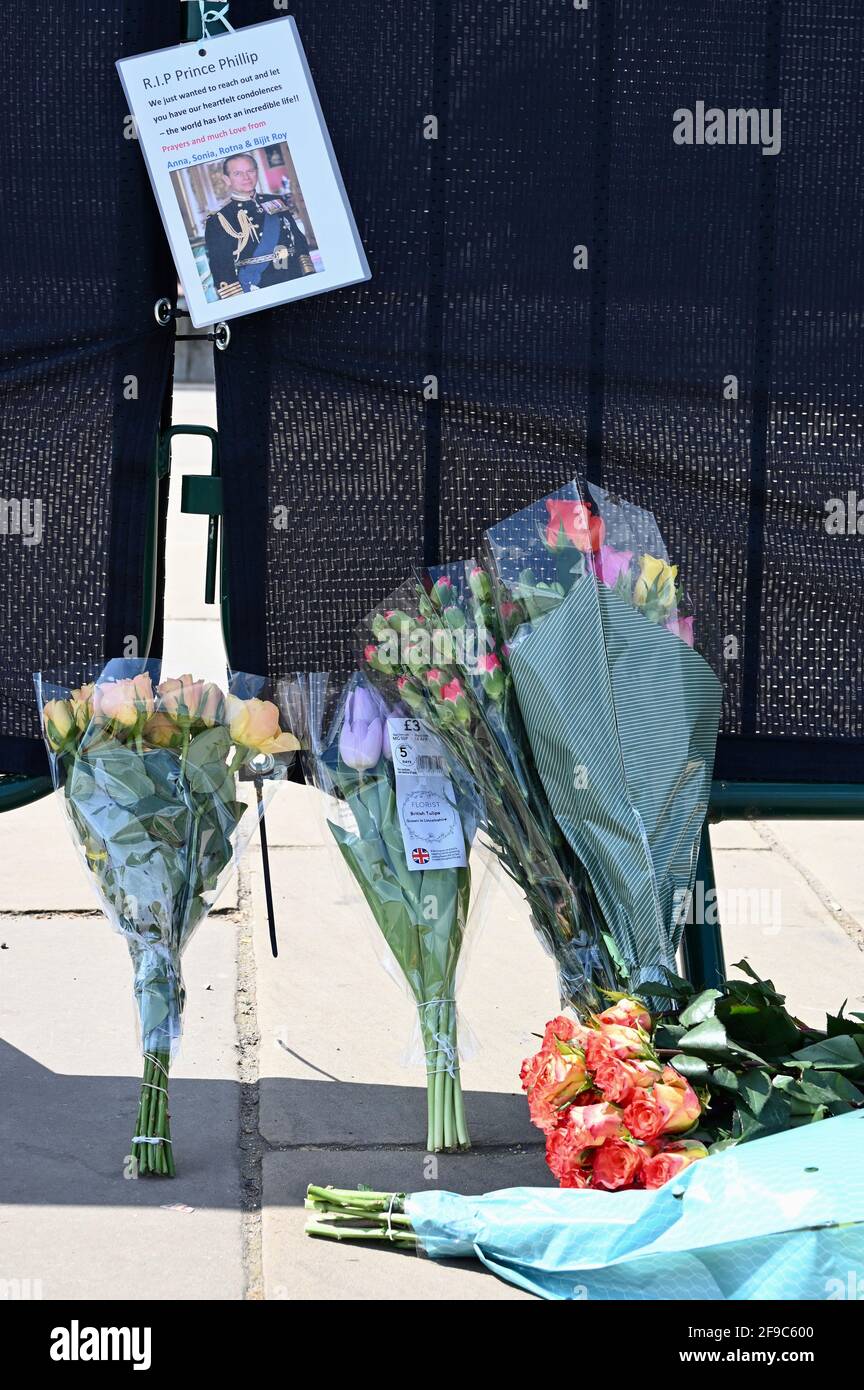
(247, 222)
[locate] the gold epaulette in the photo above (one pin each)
(227, 288)
(306, 265)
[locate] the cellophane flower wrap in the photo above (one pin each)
(151, 776)
(621, 712)
(437, 645)
(422, 913)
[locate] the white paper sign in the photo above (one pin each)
(243, 170)
(431, 828)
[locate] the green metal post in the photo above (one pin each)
(703, 943)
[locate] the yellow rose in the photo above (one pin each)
(81, 701)
(161, 731)
(59, 722)
(180, 697)
(656, 580)
(117, 701)
(145, 699)
(254, 724)
(210, 705)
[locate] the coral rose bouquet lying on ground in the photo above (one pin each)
(150, 777)
(614, 1115)
(627, 1103)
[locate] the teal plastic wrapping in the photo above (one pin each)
(780, 1218)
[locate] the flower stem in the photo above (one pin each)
(153, 1119)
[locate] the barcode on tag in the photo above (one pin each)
(426, 763)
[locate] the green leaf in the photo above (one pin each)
(672, 986)
(752, 1018)
(708, 1036)
(837, 1054)
(725, 1079)
(619, 961)
(761, 1109)
(767, 986)
(700, 1008)
(668, 1034)
(694, 1068)
(836, 1025)
(710, 1040)
(206, 770)
(821, 1088)
(119, 773)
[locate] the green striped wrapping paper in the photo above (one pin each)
(622, 718)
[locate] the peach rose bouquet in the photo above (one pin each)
(613, 1114)
(149, 774)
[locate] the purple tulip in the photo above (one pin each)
(362, 734)
(682, 627)
(610, 564)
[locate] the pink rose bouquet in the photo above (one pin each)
(612, 1113)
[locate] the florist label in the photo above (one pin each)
(431, 828)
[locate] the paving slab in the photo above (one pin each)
(335, 1027)
(40, 870)
(794, 938)
(69, 1082)
(767, 888)
(832, 851)
(295, 817)
(297, 1267)
(736, 834)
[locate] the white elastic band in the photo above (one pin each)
(145, 1139)
(150, 1087)
(390, 1235)
(148, 1057)
(443, 1048)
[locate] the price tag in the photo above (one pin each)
(431, 828)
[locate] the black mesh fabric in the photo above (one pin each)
(83, 365)
(704, 263)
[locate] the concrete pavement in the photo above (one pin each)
(291, 1069)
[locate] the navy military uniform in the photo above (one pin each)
(254, 243)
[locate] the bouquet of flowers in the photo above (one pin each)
(626, 1103)
(613, 1114)
(621, 712)
(436, 645)
(561, 673)
(420, 908)
(148, 775)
